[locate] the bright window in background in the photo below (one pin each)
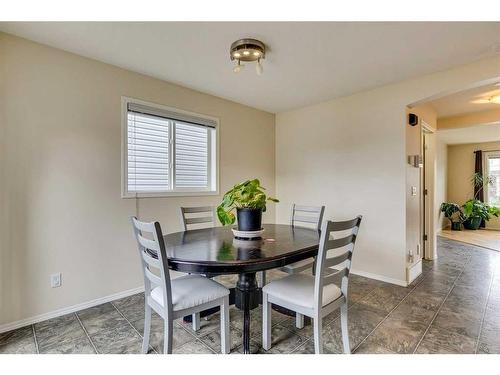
(167, 152)
(493, 170)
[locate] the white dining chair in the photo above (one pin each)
(197, 218)
(304, 216)
(316, 295)
(176, 298)
(307, 217)
(191, 219)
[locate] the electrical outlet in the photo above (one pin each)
(55, 280)
(410, 256)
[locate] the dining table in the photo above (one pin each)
(215, 251)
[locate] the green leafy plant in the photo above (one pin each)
(480, 182)
(248, 194)
(474, 208)
(452, 212)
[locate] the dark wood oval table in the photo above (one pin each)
(215, 251)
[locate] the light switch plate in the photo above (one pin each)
(55, 280)
(413, 190)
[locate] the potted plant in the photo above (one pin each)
(475, 211)
(453, 212)
(480, 182)
(249, 200)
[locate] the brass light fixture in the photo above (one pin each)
(248, 50)
(494, 99)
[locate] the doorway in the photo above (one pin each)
(427, 189)
(453, 126)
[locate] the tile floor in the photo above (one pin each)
(454, 307)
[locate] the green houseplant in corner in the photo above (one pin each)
(249, 200)
(475, 211)
(453, 212)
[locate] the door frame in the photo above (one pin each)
(427, 183)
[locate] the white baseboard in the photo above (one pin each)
(379, 277)
(413, 271)
(374, 276)
(67, 310)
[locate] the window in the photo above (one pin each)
(493, 170)
(167, 152)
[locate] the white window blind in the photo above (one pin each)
(191, 156)
(168, 153)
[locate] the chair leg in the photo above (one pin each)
(207, 317)
(147, 328)
(318, 338)
(266, 322)
(345, 329)
(196, 321)
(225, 335)
(299, 320)
(167, 336)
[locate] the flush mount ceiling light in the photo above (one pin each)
(495, 99)
(248, 50)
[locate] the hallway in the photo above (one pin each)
(489, 239)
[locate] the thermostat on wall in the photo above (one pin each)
(416, 161)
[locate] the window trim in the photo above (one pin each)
(486, 156)
(182, 192)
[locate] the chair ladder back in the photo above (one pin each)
(323, 261)
(338, 259)
(153, 279)
(148, 247)
(307, 215)
(331, 278)
(147, 258)
(187, 219)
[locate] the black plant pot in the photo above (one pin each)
(249, 219)
(472, 223)
(456, 225)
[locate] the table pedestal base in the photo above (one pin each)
(247, 298)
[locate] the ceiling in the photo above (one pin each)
(468, 101)
(306, 63)
(474, 134)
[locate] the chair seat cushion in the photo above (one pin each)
(191, 290)
(299, 266)
(298, 289)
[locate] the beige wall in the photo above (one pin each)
(460, 170)
(469, 119)
(60, 202)
(413, 147)
(349, 153)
